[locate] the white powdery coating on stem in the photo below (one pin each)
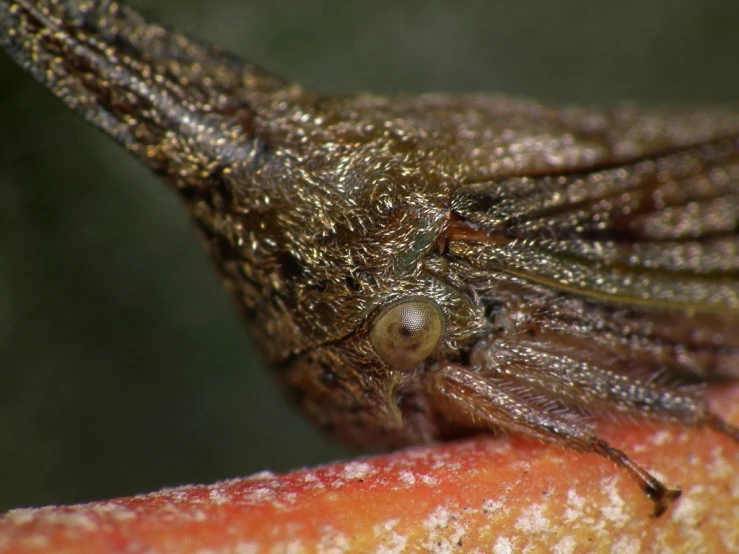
(433, 498)
(357, 470)
(533, 521)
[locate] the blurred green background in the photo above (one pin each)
(123, 368)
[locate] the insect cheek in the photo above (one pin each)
(407, 332)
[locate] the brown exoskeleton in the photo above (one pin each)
(417, 267)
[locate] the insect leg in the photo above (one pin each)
(470, 398)
(596, 385)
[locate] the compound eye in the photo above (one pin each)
(406, 332)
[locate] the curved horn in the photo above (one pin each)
(179, 104)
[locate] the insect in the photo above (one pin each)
(415, 268)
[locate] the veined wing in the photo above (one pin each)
(661, 231)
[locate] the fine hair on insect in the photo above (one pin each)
(419, 267)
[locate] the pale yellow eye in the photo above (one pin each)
(406, 332)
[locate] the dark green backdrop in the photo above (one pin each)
(123, 367)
